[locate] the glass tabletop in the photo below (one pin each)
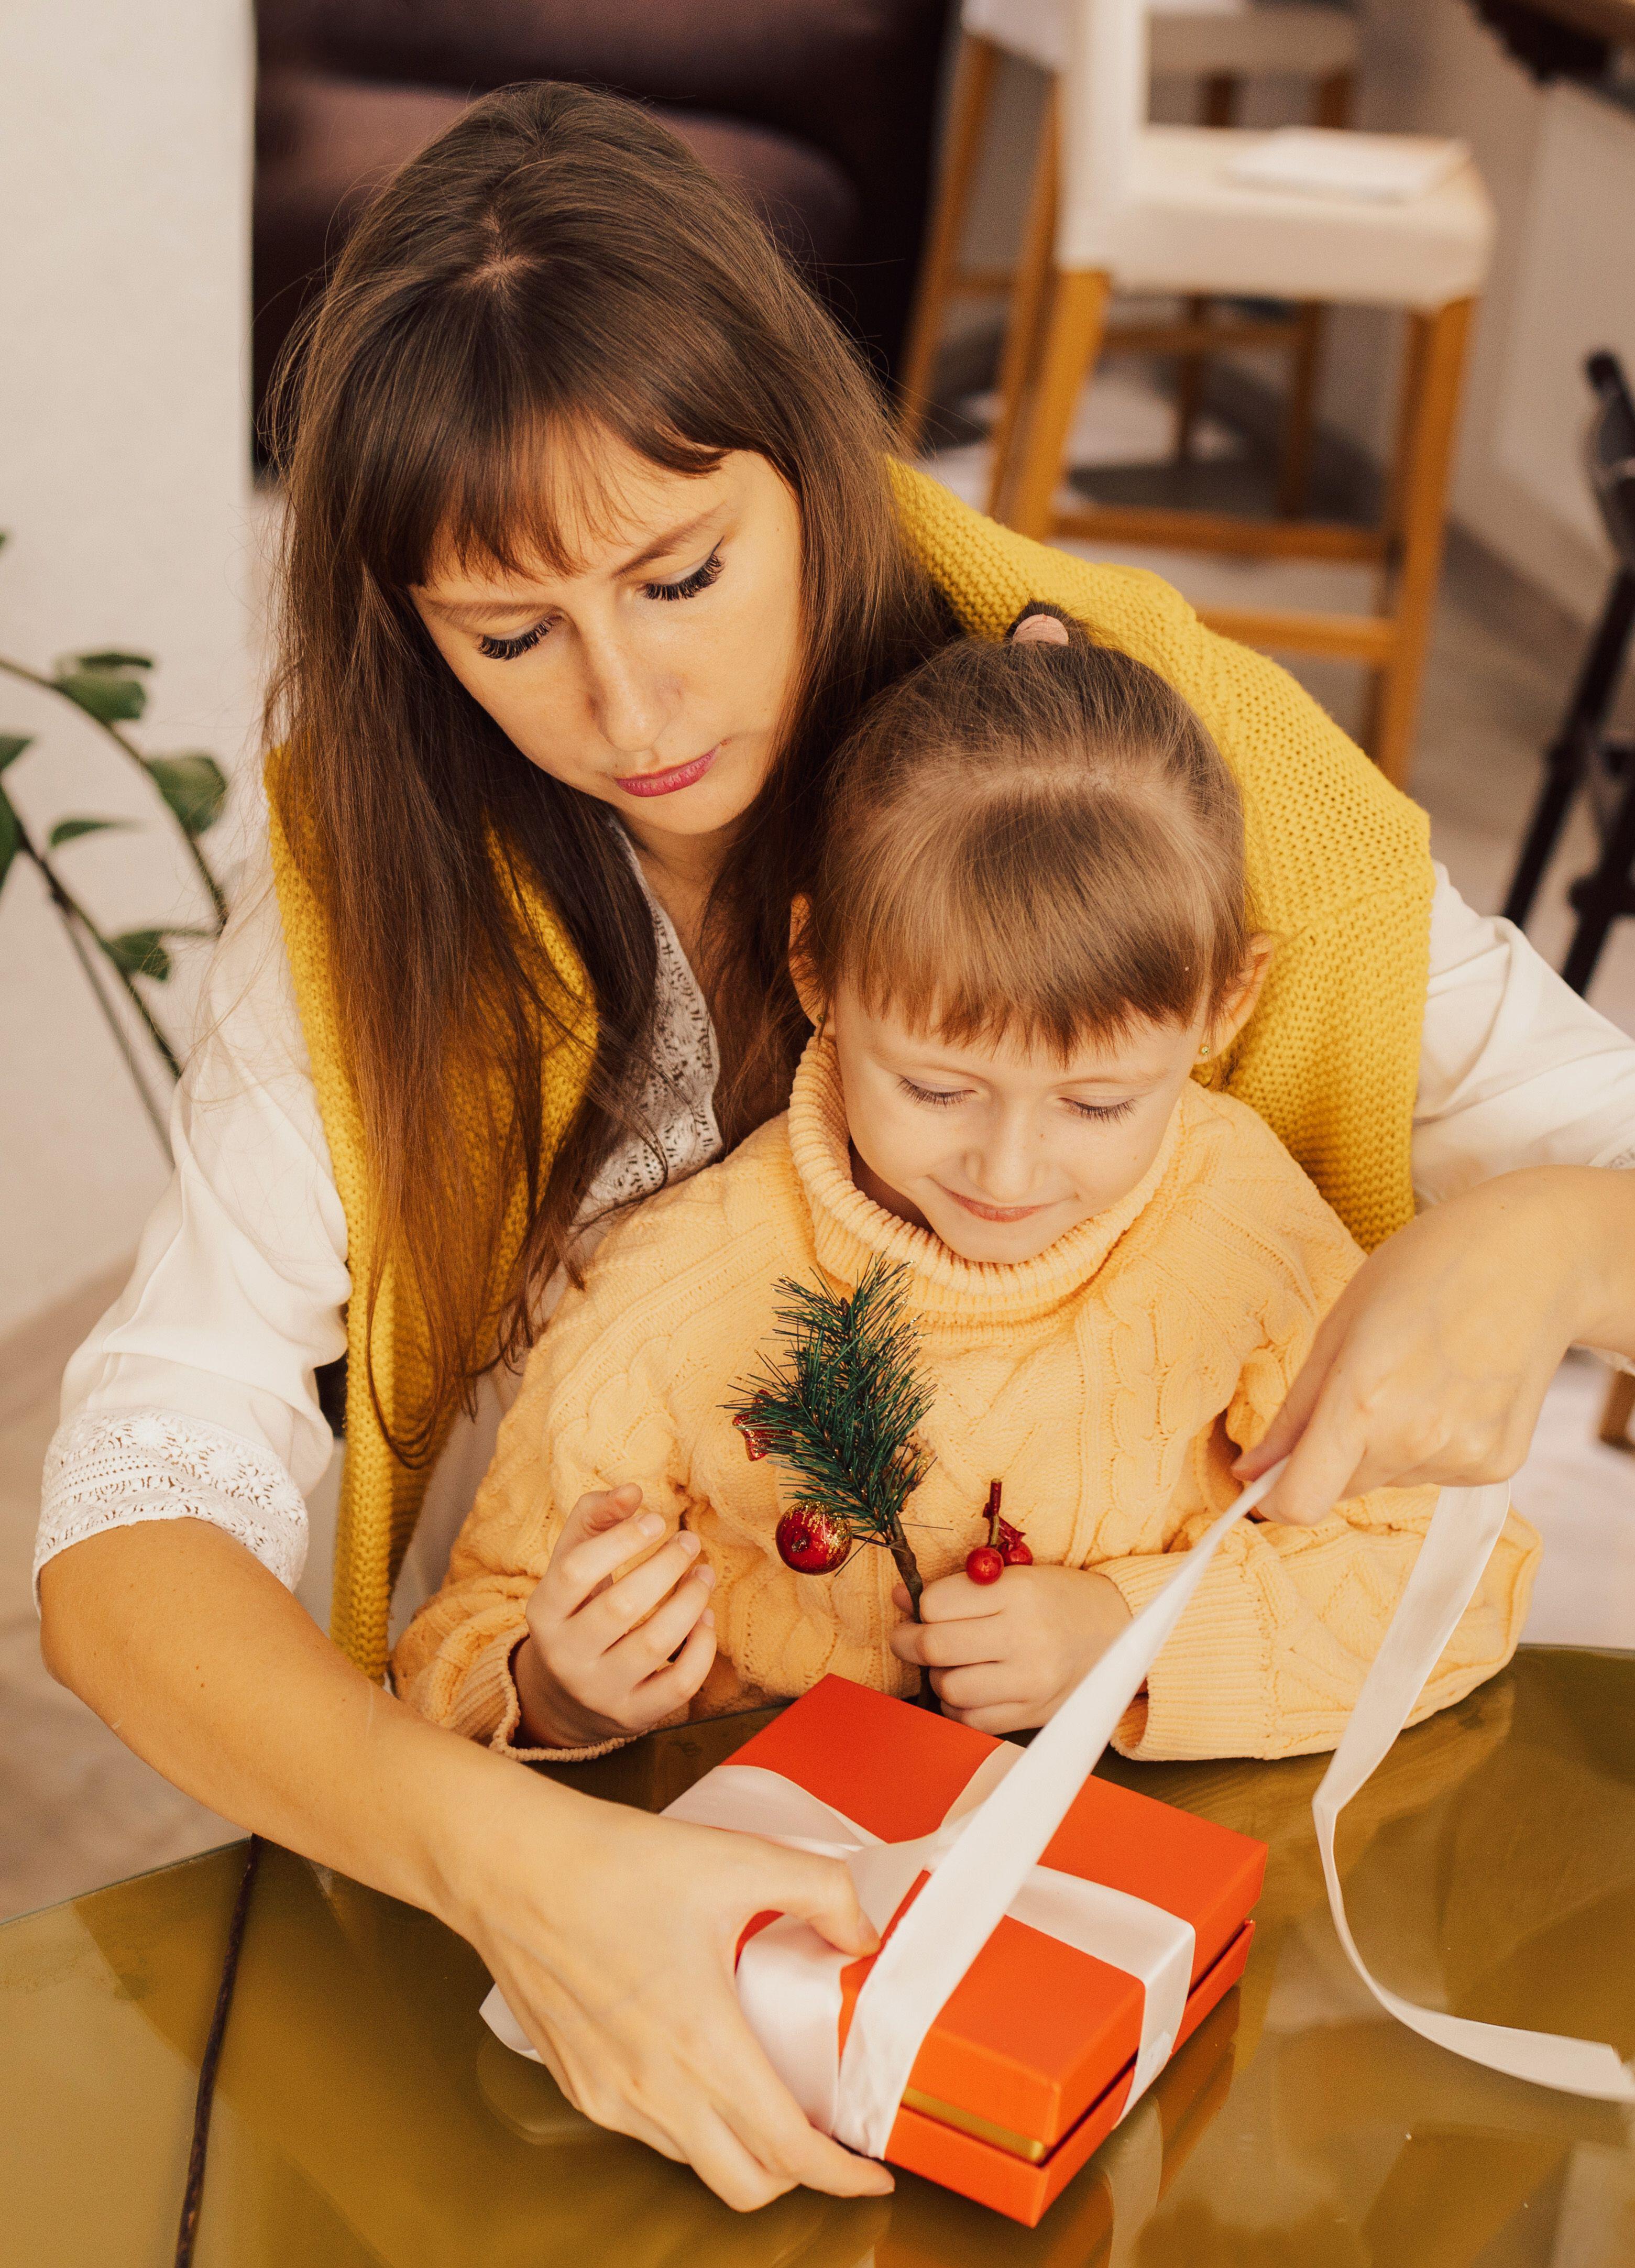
(365, 2115)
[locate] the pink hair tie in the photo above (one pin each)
(1040, 630)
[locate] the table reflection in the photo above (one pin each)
(365, 2115)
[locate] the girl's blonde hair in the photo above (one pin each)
(1039, 840)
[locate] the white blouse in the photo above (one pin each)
(194, 1396)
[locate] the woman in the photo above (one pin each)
(592, 554)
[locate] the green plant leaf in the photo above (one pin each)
(12, 747)
(195, 787)
(70, 830)
(140, 953)
(108, 695)
(8, 837)
(111, 660)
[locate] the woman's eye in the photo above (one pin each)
(1102, 1111)
(504, 649)
(933, 1095)
(689, 586)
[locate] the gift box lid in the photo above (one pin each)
(1036, 2031)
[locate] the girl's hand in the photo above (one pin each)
(1005, 1655)
(1432, 1364)
(613, 1936)
(609, 1654)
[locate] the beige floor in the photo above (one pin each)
(77, 1809)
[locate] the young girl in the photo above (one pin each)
(1027, 948)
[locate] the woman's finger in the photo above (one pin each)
(1324, 1461)
(1300, 1401)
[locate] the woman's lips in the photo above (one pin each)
(991, 1213)
(666, 783)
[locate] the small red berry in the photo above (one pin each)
(984, 1565)
(812, 1542)
(1015, 1553)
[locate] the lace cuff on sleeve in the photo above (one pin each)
(112, 1469)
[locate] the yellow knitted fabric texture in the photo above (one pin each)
(1105, 1383)
(1338, 862)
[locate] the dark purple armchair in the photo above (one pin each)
(823, 110)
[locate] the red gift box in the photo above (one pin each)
(1028, 2066)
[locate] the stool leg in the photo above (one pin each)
(1331, 106)
(1217, 107)
(1614, 1429)
(1430, 421)
(1602, 896)
(1028, 301)
(1072, 342)
(967, 118)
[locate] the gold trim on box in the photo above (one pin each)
(949, 2114)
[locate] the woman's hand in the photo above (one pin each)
(613, 1936)
(1005, 1656)
(605, 1653)
(1434, 1362)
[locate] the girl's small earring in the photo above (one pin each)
(1203, 1052)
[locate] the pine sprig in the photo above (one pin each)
(838, 1405)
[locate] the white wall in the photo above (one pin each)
(125, 141)
(1560, 166)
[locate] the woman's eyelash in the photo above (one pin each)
(507, 649)
(1103, 1111)
(689, 586)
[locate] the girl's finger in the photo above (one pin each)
(582, 1565)
(979, 1685)
(940, 1646)
(623, 1603)
(955, 1598)
(673, 1686)
(645, 1652)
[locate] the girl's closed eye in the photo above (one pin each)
(1102, 1111)
(938, 1097)
(686, 586)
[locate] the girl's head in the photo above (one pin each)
(589, 512)
(1028, 923)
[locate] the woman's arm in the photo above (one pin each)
(1435, 1360)
(612, 1934)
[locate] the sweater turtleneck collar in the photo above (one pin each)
(849, 1230)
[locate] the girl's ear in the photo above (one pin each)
(809, 991)
(1240, 1004)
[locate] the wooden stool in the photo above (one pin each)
(1221, 45)
(1157, 209)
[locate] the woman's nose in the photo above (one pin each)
(626, 698)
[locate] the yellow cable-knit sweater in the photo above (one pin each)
(1339, 867)
(1105, 1382)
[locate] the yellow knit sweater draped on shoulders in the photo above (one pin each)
(1108, 1383)
(1338, 864)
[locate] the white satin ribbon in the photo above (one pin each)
(983, 1862)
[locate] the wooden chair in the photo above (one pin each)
(1219, 43)
(1158, 209)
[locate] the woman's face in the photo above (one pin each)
(656, 674)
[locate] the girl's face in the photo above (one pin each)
(657, 674)
(1000, 1150)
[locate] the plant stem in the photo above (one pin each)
(72, 913)
(128, 749)
(908, 1567)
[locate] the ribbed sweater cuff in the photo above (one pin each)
(1209, 1692)
(487, 1707)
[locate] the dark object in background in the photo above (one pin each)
(1582, 758)
(822, 110)
(1542, 43)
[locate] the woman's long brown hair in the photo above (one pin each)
(554, 267)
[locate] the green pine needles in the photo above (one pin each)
(837, 1407)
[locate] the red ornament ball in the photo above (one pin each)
(984, 1565)
(812, 1541)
